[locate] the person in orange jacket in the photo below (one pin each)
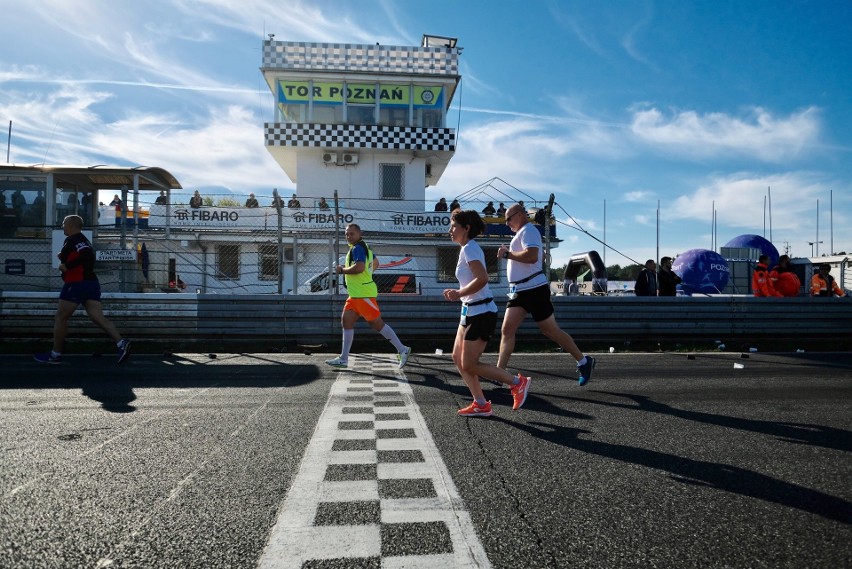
(761, 284)
(784, 278)
(823, 284)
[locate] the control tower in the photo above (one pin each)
(367, 121)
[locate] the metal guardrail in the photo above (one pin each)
(316, 319)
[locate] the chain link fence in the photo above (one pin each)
(231, 245)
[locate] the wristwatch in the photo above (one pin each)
(505, 254)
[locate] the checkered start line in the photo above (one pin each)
(372, 489)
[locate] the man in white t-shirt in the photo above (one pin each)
(529, 293)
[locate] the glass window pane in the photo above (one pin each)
(328, 114)
(392, 182)
(361, 114)
(228, 262)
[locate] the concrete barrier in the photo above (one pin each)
(315, 319)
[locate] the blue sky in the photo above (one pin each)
(611, 106)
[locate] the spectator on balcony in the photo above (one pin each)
(196, 201)
(18, 201)
(501, 210)
(116, 203)
(441, 205)
(294, 203)
(323, 205)
(455, 205)
(162, 199)
(252, 201)
(489, 210)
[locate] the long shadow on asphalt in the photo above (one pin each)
(101, 380)
(711, 474)
(798, 433)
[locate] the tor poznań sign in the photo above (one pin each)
(298, 220)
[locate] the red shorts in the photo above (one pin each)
(367, 308)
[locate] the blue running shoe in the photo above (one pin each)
(47, 358)
(123, 351)
(585, 370)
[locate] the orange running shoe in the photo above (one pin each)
(520, 391)
(475, 410)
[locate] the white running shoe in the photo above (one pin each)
(337, 362)
(403, 357)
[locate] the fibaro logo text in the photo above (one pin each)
(322, 218)
(206, 215)
(414, 219)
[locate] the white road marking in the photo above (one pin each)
(295, 539)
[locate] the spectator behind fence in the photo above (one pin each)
(455, 205)
(18, 201)
(116, 202)
(489, 210)
(784, 278)
(646, 282)
(441, 205)
(761, 284)
(823, 284)
(323, 204)
(501, 210)
(294, 203)
(162, 199)
(196, 201)
(252, 201)
(668, 279)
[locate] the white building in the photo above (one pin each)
(366, 124)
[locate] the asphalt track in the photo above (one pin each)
(660, 461)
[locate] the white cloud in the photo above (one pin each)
(742, 201)
(761, 135)
(638, 196)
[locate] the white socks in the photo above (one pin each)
(388, 333)
(348, 336)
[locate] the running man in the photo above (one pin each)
(529, 292)
(478, 318)
(77, 264)
(358, 272)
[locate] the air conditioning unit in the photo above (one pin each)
(350, 158)
(329, 157)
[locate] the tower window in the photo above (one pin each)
(392, 182)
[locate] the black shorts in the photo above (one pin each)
(536, 301)
(480, 327)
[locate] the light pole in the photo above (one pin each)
(812, 243)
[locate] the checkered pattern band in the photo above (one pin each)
(279, 55)
(359, 136)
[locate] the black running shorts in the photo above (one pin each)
(536, 301)
(480, 327)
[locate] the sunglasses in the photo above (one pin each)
(508, 217)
